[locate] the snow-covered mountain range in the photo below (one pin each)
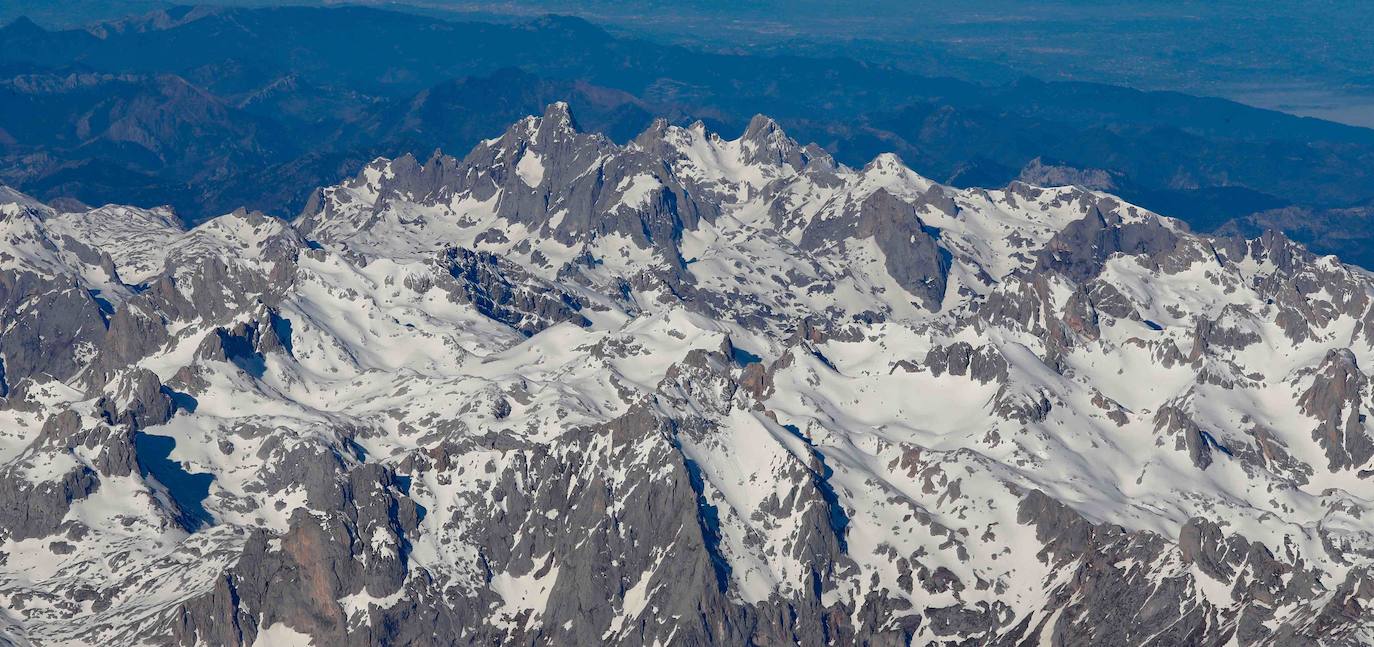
(684, 391)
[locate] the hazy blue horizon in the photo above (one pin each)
(1308, 60)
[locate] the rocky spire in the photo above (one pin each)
(764, 142)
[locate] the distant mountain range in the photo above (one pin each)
(209, 109)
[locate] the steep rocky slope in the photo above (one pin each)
(683, 391)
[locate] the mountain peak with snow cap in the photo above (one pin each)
(558, 117)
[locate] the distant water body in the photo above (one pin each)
(1352, 108)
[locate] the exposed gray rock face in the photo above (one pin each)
(505, 292)
(1080, 250)
(38, 509)
(360, 548)
(132, 334)
(1109, 594)
(139, 401)
(686, 391)
(1171, 421)
(48, 323)
(1109, 577)
(911, 253)
(1338, 399)
(984, 364)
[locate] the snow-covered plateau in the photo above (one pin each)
(684, 391)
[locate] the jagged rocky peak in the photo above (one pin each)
(764, 141)
(653, 139)
(686, 390)
(556, 126)
(558, 118)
